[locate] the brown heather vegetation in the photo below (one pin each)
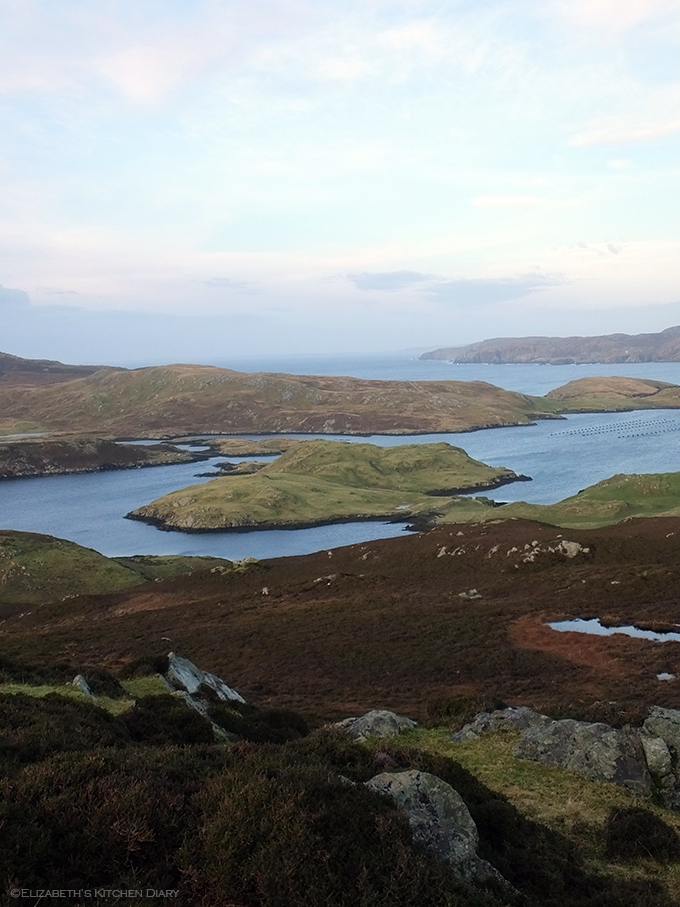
(382, 624)
(142, 797)
(178, 400)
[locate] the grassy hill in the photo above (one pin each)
(177, 400)
(185, 399)
(141, 796)
(618, 498)
(35, 569)
(317, 482)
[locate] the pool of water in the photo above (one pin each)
(595, 627)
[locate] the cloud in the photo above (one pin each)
(474, 291)
(613, 15)
(239, 286)
(486, 291)
(522, 201)
(389, 280)
(620, 133)
(55, 291)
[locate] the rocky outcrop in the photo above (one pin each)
(637, 759)
(596, 751)
(377, 723)
(439, 819)
(519, 717)
(183, 674)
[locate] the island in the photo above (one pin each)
(321, 482)
(661, 347)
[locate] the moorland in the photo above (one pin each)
(133, 790)
(178, 400)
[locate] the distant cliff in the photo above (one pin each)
(661, 347)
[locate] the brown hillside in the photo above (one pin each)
(382, 624)
(184, 399)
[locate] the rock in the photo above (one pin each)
(438, 817)
(378, 723)
(470, 594)
(202, 708)
(82, 685)
(183, 674)
(519, 717)
(596, 751)
(657, 754)
(665, 723)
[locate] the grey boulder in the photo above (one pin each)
(438, 817)
(377, 723)
(665, 723)
(183, 674)
(596, 751)
(519, 717)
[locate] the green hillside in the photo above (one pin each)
(610, 501)
(319, 482)
(35, 569)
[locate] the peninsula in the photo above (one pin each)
(59, 456)
(661, 347)
(197, 400)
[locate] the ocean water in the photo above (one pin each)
(561, 457)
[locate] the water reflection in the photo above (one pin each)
(595, 627)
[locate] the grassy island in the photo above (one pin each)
(317, 482)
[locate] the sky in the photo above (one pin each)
(210, 178)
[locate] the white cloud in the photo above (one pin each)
(619, 132)
(614, 16)
(523, 201)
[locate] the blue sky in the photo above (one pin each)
(346, 176)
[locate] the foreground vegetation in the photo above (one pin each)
(144, 798)
(324, 482)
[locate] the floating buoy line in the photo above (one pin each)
(632, 428)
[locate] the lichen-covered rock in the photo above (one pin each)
(665, 723)
(519, 717)
(183, 674)
(596, 751)
(438, 817)
(657, 754)
(377, 723)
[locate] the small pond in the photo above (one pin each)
(595, 627)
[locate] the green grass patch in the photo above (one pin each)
(35, 569)
(562, 801)
(618, 498)
(327, 481)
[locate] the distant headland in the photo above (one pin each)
(607, 348)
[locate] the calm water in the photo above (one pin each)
(561, 457)
(594, 627)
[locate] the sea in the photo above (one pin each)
(560, 456)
